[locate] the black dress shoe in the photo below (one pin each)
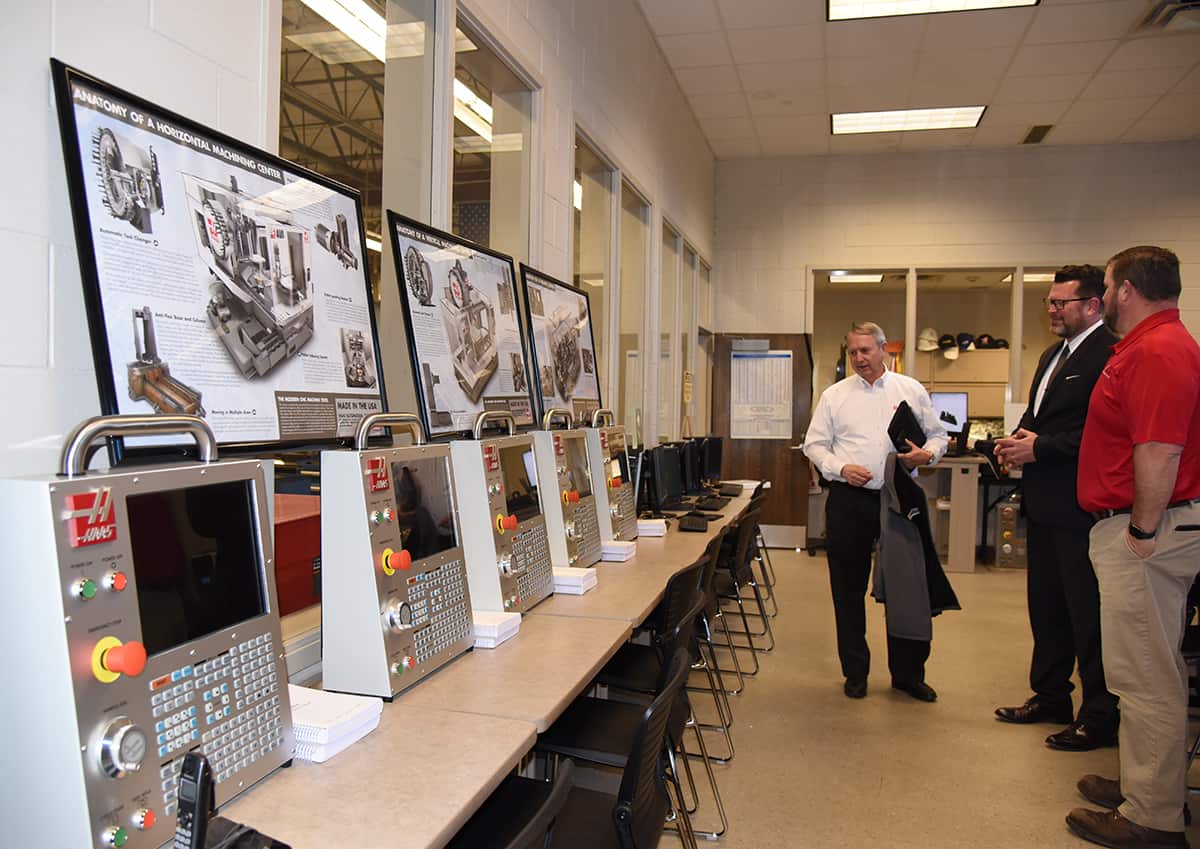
(1078, 737)
(855, 689)
(1037, 709)
(920, 691)
(1106, 792)
(1109, 828)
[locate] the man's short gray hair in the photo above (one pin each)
(868, 328)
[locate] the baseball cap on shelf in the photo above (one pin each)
(947, 341)
(1000, 343)
(951, 353)
(966, 342)
(984, 341)
(928, 340)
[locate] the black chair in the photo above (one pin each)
(762, 554)
(520, 814)
(734, 575)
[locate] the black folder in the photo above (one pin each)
(904, 426)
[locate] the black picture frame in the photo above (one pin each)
(438, 238)
(531, 344)
(63, 76)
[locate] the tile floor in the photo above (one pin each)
(815, 770)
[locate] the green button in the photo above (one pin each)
(87, 588)
(120, 837)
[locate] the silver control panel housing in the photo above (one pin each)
(89, 757)
(571, 525)
(508, 570)
(382, 633)
(614, 494)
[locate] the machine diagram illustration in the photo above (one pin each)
(356, 358)
(420, 279)
(262, 297)
(438, 417)
(470, 322)
(150, 378)
(518, 372)
(563, 330)
(130, 187)
(337, 241)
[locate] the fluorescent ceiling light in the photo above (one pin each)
(500, 143)
(472, 110)
(578, 195)
(367, 28)
(844, 10)
(361, 24)
(846, 277)
(1032, 278)
(903, 120)
(373, 243)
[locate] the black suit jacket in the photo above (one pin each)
(1049, 484)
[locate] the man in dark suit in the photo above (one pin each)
(1063, 597)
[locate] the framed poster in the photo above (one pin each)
(464, 334)
(559, 321)
(219, 280)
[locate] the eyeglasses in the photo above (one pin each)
(1059, 303)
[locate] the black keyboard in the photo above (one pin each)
(692, 524)
(712, 503)
(732, 490)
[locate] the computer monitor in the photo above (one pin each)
(668, 480)
(951, 409)
(710, 466)
(692, 458)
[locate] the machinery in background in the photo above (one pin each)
(395, 605)
(130, 184)
(359, 373)
(162, 581)
(150, 378)
(609, 462)
(420, 278)
(262, 304)
(500, 512)
(570, 506)
(564, 350)
(470, 322)
(337, 241)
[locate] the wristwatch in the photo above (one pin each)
(1138, 533)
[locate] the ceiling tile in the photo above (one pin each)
(1110, 84)
(889, 69)
(991, 28)
(1060, 58)
(867, 143)
(1163, 51)
(671, 17)
(777, 44)
(773, 76)
(1002, 135)
(1185, 127)
(1046, 89)
(936, 139)
(789, 103)
(985, 63)
(1190, 83)
(719, 79)
(951, 92)
(801, 126)
(726, 129)
(875, 37)
(719, 105)
(731, 149)
(1095, 22)
(695, 50)
(1124, 109)
(869, 98)
(747, 14)
(1184, 108)
(1088, 132)
(1023, 114)
(795, 147)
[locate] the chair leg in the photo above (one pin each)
(762, 547)
(712, 781)
(755, 595)
(768, 582)
(724, 712)
(728, 645)
(677, 813)
(745, 630)
(733, 646)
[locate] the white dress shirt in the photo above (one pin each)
(1072, 345)
(850, 425)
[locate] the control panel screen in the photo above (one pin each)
(197, 561)
(424, 510)
(520, 482)
(577, 466)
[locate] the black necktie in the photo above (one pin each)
(1062, 361)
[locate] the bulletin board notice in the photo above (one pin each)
(760, 393)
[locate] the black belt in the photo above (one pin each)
(1122, 511)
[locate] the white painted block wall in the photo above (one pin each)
(1042, 206)
(204, 60)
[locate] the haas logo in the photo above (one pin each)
(377, 475)
(90, 518)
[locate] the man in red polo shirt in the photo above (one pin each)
(1139, 474)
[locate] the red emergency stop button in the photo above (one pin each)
(125, 659)
(573, 496)
(401, 560)
(615, 483)
(505, 523)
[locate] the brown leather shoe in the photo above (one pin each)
(1078, 737)
(1037, 709)
(1106, 792)
(1109, 828)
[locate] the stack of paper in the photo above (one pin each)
(573, 581)
(494, 627)
(652, 527)
(617, 550)
(326, 723)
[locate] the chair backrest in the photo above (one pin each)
(642, 800)
(679, 596)
(744, 550)
(539, 831)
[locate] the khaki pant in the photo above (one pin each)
(1141, 627)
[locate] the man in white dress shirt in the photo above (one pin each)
(847, 439)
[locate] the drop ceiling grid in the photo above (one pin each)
(762, 76)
